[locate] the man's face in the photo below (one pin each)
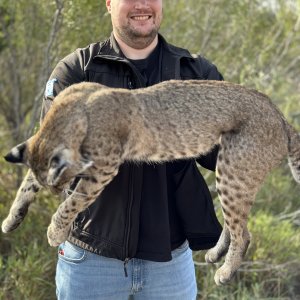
(135, 22)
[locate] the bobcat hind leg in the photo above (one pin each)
(214, 254)
(237, 185)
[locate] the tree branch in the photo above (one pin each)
(46, 67)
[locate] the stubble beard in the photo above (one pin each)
(136, 39)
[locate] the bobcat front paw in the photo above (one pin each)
(10, 224)
(56, 236)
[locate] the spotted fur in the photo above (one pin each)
(91, 131)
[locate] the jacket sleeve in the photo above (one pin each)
(68, 71)
(210, 72)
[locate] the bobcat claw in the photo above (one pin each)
(57, 236)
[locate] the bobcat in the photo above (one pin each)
(91, 130)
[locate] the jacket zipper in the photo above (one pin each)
(131, 182)
(127, 232)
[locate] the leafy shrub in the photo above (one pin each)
(271, 268)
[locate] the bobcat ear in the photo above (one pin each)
(17, 155)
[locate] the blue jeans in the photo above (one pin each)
(82, 275)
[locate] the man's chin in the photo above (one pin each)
(143, 33)
(137, 32)
(140, 39)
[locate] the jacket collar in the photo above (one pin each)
(170, 62)
(111, 49)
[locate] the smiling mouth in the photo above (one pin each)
(140, 18)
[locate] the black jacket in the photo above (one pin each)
(147, 210)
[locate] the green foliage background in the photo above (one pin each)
(255, 43)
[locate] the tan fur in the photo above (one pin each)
(92, 130)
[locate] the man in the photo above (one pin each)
(135, 239)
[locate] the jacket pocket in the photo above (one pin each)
(71, 253)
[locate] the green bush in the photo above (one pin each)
(27, 262)
(271, 268)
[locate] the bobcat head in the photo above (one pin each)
(54, 167)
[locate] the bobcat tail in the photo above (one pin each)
(294, 152)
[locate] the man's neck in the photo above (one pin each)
(133, 53)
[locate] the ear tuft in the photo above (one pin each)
(16, 154)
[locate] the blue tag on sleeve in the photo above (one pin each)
(49, 92)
